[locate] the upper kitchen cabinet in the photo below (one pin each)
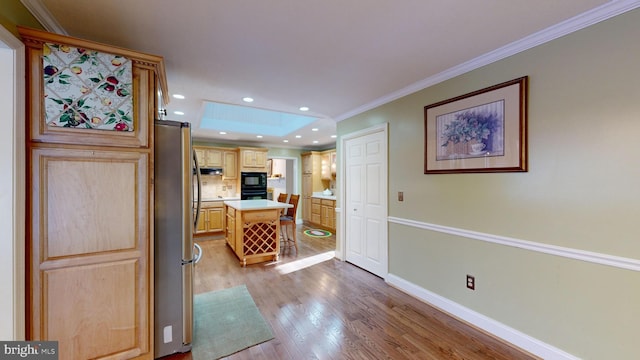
(253, 159)
(230, 162)
(209, 157)
(328, 164)
(90, 93)
(311, 162)
(90, 110)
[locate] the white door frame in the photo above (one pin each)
(12, 186)
(341, 252)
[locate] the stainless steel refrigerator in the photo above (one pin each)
(175, 256)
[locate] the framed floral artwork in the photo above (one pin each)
(483, 131)
(87, 89)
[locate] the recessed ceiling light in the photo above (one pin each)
(222, 133)
(315, 141)
(259, 136)
(334, 136)
(314, 129)
(304, 108)
(178, 112)
(247, 99)
(298, 136)
(285, 140)
(178, 96)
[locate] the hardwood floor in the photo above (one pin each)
(322, 308)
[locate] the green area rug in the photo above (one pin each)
(227, 321)
(317, 233)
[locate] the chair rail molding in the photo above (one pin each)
(576, 254)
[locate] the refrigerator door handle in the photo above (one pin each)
(197, 256)
(199, 202)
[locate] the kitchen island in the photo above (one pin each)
(253, 229)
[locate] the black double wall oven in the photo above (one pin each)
(253, 185)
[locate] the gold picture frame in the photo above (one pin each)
(479, 132)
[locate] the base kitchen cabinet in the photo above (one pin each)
(323, 213)
(211, 218)
(316, 211)
(328, 218)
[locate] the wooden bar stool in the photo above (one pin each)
(288, 220)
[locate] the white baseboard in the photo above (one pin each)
(489, 325)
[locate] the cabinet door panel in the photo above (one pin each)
(213, 157)
(202, 222)
(230, 165)
(216, 223)
(103, 299)
(90, 238)
(85, 204)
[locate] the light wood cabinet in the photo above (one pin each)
(328, 165)
(211, 218)
(328, 217)
(253, 234)
(89, 238)
(316, 211)
(323, 213)
(311, 181)
(307, 191)
(230, 233)
(253, 159)
(230, 165)
(209, 157)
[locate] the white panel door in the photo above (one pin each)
(366, 202)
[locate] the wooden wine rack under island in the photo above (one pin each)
(253, 229)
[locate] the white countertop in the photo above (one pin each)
(320, 196)
(244, 205)
(221, 198)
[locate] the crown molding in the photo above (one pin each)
(586, 19)
(44, 17)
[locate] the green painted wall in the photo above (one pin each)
(581, 192)
(13, 13)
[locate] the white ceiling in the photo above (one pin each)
(338, 57)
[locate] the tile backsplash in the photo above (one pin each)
(213, 186)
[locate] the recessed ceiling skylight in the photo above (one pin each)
(248, 120)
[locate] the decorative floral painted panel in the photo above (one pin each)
(87, 89)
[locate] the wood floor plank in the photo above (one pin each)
(334, 310)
